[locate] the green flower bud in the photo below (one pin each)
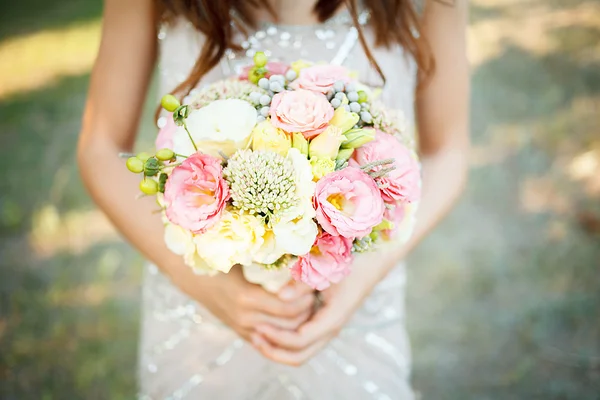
(135, 165)
(300, 143)
(180, 114)
(162, 180)
(151, 167)
(169, 102)
(344, 155)
(260, 59)
(255, 74)
(165, 154)
(143, 156)
(362, 96)
(148, 186)
(358, 137)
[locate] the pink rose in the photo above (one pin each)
(320, 78)
(196, 193)
(328, 262)
(273, 68)
(301, 111)
(348, 203)
(164, 140)
(403, 183)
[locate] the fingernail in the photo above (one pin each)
(287, 293)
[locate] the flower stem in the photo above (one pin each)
(189, 135)
(172, 165)
(126, 155)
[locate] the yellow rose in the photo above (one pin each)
(300, 64)
(233, 240)
(321, 167)
(266, 137)
(327, 144)
(343, 119)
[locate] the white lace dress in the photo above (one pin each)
(186, 353)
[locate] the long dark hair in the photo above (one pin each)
(393, 22)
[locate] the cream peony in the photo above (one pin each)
(233, 240)
(223, 125)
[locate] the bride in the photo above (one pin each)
(222, 337)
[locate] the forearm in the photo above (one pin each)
(444, 176)
(115, 191)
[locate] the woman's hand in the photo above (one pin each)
(339, 304)
(244, 306)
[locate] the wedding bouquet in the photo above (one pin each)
(286, 170)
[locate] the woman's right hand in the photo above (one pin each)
(243, 305)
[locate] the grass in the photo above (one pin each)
(503, 297)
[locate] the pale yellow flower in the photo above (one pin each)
(266, 137)
(233, 240)
(181, 242)
(321, 167)
(343, 119)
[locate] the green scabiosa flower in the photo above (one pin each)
(261, 182)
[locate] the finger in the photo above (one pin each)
(321, 325)
(283, 323)
(271, 304)
(284, 356)
(294, 290)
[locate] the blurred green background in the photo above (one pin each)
(504, 298)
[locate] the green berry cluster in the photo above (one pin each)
(272, 85)
(151, 166)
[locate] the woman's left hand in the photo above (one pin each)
(339, 303)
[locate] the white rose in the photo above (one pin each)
(233, 240)
(222, 123)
